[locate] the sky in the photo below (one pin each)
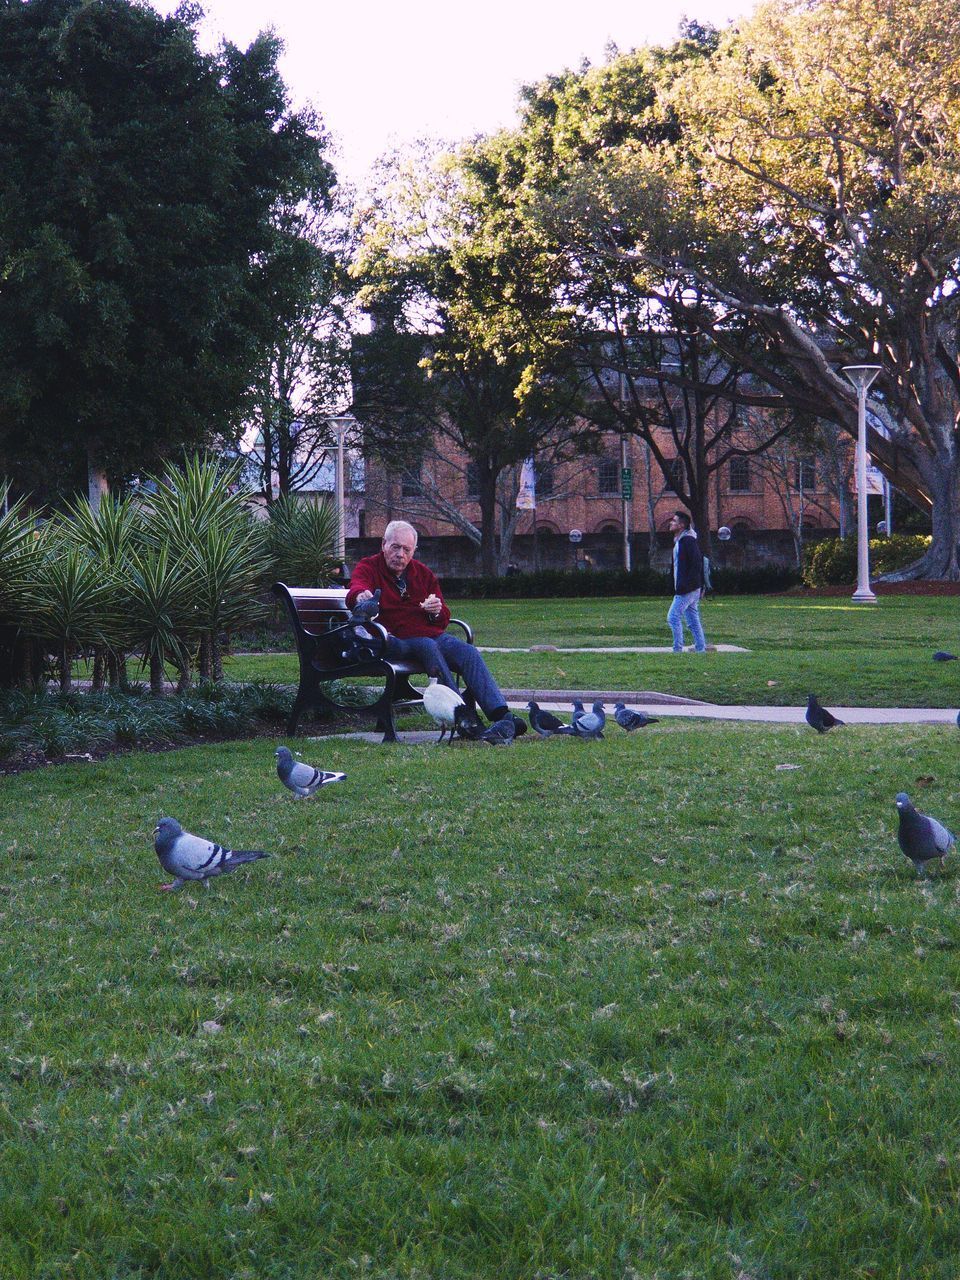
(385, 72)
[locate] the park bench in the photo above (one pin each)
(318, 616)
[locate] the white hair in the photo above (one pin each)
(400, 526)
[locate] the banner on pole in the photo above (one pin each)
(527, 493)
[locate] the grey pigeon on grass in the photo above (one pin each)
(590, 723)
(466, 723)
(921, 837)
(545, 723)
(501, 733)
(942, 656)
(188, 857)
(302, 779)
(818, 717)
(631, 720)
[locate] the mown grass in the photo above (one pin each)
(852, 655)
(648, 1007)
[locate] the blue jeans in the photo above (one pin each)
(447, 652)
(686, 609)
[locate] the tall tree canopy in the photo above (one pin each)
(790, 192)
(442, 374)
(137, 180)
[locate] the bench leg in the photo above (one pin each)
(299, 704)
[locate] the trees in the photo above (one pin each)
(560, 194)
(137, 179)
(442, 378)
(825, 143)
(302, 378)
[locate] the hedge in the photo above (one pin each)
(833, 562)
(641, 581)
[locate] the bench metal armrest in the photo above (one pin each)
(458, 622)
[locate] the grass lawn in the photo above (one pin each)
(643, 1008)
(851, 655)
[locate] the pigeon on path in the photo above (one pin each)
(942, 656)
(818, 717)
(921, 837)
(440, 702)
(630, 720)
(501, 733)
(545, 723)
(302, 779)
(188, 857)
(590, 724)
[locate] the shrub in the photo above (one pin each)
(833, 562)
(642, 581)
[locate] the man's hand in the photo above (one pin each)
(364, 595)
(432, 605)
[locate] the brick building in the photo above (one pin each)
(769, 501)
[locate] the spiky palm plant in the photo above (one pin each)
(201, 516)
(302, 541)
(158, 591)
(19, 555)
(110, 534)
(72, 601)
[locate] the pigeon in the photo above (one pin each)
(921, 837)
(590, 723)
(545, 723)
(578, 711)
(366, 610)
(501, 733)
(630, 720)
(466, 723)
(439, 701)
(188, 857)
(942, 656)
(818, 717)
(302, 779)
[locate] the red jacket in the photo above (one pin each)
(403, 617)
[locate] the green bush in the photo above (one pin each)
(833, 562)
(642, 581)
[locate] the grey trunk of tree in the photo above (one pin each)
(156, 676)
(488, 524)
(66, 668)
(204, 663)
(942, 560)
(99, 674)
(184, 679)
(97, 484)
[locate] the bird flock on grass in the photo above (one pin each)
(923, 839)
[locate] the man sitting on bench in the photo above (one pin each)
(412, 610)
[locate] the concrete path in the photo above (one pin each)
(649, 648)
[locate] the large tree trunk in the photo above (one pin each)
(156, 676)
(942, 561)
(66, 668)
(488, 523)
(97, 485)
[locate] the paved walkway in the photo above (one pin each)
(645, 648)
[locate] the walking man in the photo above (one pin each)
(688, 583)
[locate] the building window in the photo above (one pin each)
(473, 480)
(608, 476)
(411, 485)
(673, 481)
(739, 475)
(805, 474)
(543, 475)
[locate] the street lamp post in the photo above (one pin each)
(340, 428)
(860, 377)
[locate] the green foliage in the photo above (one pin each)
(833, 561)
(54, 725)
(302, 541)
(138, 179)
(641, 581)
